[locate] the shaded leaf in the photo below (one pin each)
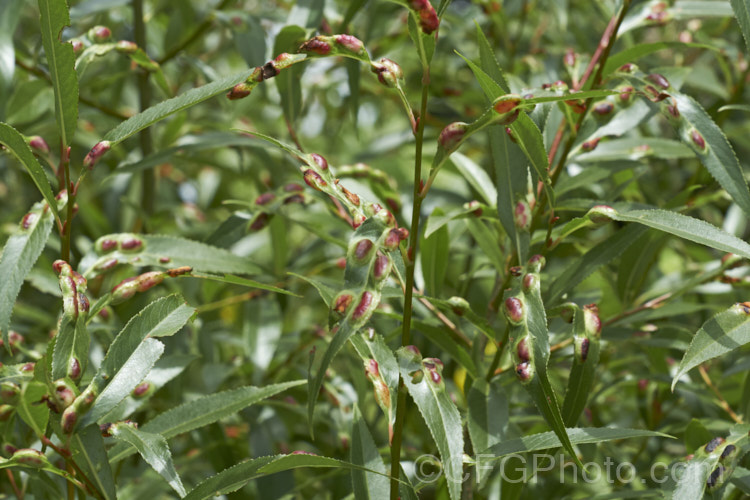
(17, 146)
(154, 450)
(31, 407)
(439, 413)
(203, 411)
(721, 334)
(365, 454)
(20, 253)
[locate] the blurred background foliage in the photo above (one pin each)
(206, 176)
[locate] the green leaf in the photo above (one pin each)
(738, 107)
(365, 453)
(439, 413)
(721, 334)
(476, 177)
(636, 148)
(440, 337)
(434, 253)
(597, 256)
(488, 414)
(289, 80)
(203, 411)
(236, 280)
(134, 352)
(583, 372)
(696, 436)
(578, 435)
(31, 408)
(154, 450)
(20, 253)
(166, 108)
(10, 13)
(717, 155)
(17, 146)
(236, 477)
(688, 228)
(377, 349)
(87, 447)
(61, 61)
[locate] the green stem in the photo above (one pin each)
(67, 226)
(408, 292)
(148, 178)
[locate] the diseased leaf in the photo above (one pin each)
(61, 62)
(169, 252)
(696, 129)
(423, 380)
(20, 253)
(154, 450)
(632, 54)
(720, 335)
(203, 411)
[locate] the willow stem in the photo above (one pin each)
(409, 291)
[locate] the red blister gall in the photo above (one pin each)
(452, 135)
(265, 198)
(522, 350)
(365, 302)
(697, 139)
(362, 249)
(514, 309)
(320, 161)
(350, 43)
(342, 303)
(316, 46)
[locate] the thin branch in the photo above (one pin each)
(722, 402)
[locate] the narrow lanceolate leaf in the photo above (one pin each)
(725, 332)
(17, 146)
(131, 373)
(683, 226)
(586, 332)
(203, 411)
(19, 255)
(696, 129)
(424, 381)
(34, 414)
(640, 50)
(529, 341)
(385, 381)
(488, 414)
(134, 351)
(154, 450)
(742, 12)
(601, 254)
(579, 435)
(365, 453)
(61, 61)
(710, 467)
(236, 280)
(434, 255)
(476, 177)
(87, 447)
(236, 477)
(166, 108)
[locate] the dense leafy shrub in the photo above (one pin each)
(330, 249)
